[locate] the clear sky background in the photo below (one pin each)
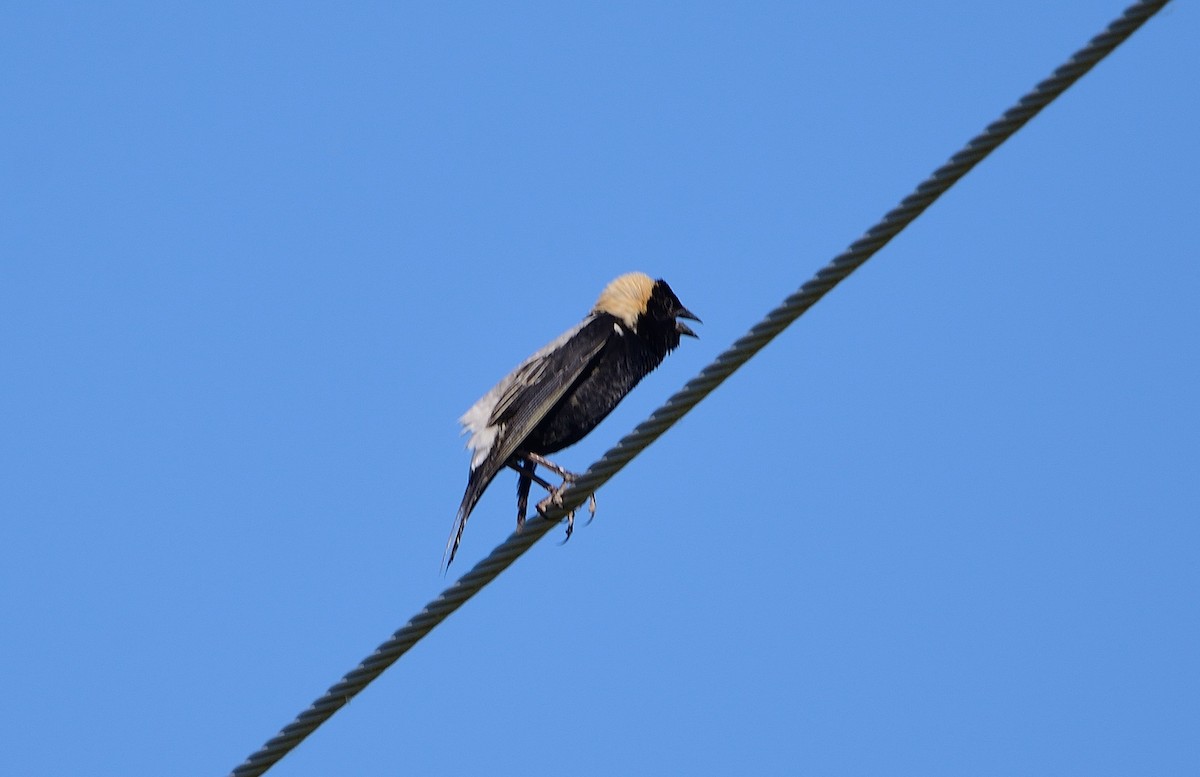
(256, 259)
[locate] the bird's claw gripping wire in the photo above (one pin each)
(571, 518)
(526, 466)
(555, 499)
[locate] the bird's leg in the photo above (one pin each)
(555, 498)
(513, 464)
(568, 477)
(555, 495)
(525, 464)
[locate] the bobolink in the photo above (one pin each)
(563, 391)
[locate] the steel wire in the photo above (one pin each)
(700, 386)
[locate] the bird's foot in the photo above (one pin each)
(570, 527)
(591, 509)
(555, 499)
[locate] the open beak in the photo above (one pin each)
(683, 328)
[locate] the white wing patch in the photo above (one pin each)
(479, 420)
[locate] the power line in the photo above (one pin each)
(699, 387)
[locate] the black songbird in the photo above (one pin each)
(564, 390)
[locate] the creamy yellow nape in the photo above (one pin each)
(626, 298)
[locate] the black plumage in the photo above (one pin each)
(559, 394)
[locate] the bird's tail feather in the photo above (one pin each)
(476, 484)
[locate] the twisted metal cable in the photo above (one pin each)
(699, 387)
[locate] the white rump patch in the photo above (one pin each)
(478, 420)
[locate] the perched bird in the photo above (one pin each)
(563, 391)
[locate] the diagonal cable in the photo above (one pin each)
(699, 387)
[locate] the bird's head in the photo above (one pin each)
(647, 307)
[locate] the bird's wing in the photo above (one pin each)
(522, 400)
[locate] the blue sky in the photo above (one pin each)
(255, 260)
